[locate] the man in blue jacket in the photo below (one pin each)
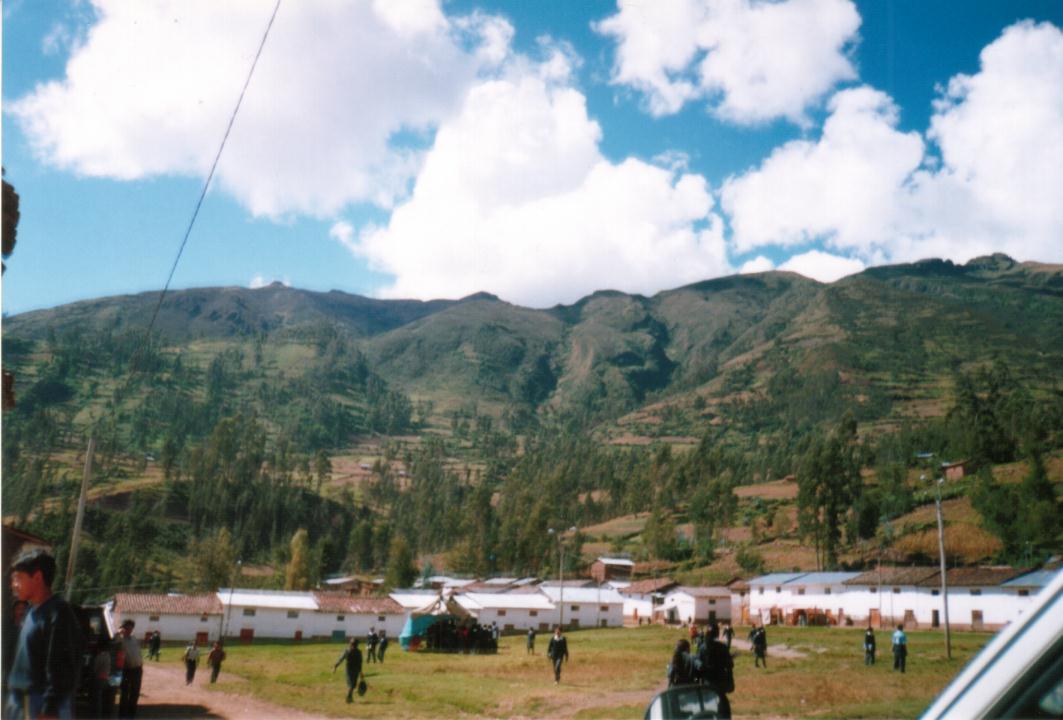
(47, 664)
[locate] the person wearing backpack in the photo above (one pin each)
(716, 668)
(681, 670)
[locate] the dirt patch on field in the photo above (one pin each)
(775, 490)
(165, 695)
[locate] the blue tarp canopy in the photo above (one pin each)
(418, 621)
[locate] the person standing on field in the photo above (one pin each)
(215, 659)
(728, 634)
(557, 651)
(900, 648)
(155, 646)
(531, 641)
(869, 647)
(353, 656)
(132, 671)
(370, 644)
(382, 645)
(760, 647)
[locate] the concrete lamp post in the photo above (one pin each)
(926, 457)
(561, 570)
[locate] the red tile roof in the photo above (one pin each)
(341, 603)
(160, 604)
(644, 587)
(974, 577)
(893, 576)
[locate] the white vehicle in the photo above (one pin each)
(1019, 674)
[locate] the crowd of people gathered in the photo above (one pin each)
(466, 636)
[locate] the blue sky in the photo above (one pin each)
(539, 151)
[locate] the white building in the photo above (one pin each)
(511, 611)
(586, 607)
(696, 605)
(643, 597)
(175, 617)
(268, 613)
(768, 594)
(411, 599)
(340, 616)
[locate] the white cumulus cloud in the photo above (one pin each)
(843, 187)
(865, 188)
(825, 267)
(515, 198)
(150, 89)
(752, 61)
(758, 264)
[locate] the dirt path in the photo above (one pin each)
(165, 695)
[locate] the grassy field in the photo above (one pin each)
(612, 674)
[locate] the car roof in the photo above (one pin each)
(990, 677)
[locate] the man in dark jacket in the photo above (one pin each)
(716, 668)
(47, 662)
(869, 647)
(370, 643)
(760, 647)
(557, 651)
(353, 656)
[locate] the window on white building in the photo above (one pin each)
(575, 608)
(249, 612)
(800, 591)
(1024, 593)
(293, 614)
(975, 591)
(203, 617)
(153, 618)
(341, 618)
(897, 591)
(533, 613)
(826, 591)
(711, 601)
(381, 618)
(501, 613)
(604, 608)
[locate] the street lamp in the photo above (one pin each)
(229, 607)
(941, 554)
(561, 570)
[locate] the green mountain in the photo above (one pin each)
(755, 351)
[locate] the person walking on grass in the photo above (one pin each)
(760, 647)
(215, 659)
(557, 651)
(154, 646)
(869, 647)
(191, 658)
(353, 656)
(900, 648)
(715, 668)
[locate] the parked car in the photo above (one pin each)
(1019, 674)
(684, 701)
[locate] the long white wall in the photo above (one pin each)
(357, 624)
(182, 628)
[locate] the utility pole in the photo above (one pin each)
(925, 457)
(75, 540)
(561, 572)
(944, 580)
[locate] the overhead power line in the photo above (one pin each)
(213, 167)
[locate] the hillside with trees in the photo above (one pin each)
(750, 422)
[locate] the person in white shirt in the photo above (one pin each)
(900, 648)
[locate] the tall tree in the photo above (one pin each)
(297, 573)
(828, 485)
(401, 571)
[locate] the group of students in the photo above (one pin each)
(214, 660)
(465, 637)
(899, 642)
(708, 663)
